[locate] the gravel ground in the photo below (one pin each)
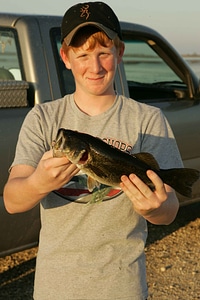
(172, 253)
(173, 257)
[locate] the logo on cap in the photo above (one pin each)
(84, 12)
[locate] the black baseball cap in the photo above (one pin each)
(97, 14)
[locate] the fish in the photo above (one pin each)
(105, 164)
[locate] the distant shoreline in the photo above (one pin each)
(191, 55)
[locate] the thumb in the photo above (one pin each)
(47, 154)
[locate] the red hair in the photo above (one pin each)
(93, 37)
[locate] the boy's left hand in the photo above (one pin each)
(146, 202)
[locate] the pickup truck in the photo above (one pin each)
(32, 72)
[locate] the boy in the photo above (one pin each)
(91, 251)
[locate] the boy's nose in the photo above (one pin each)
(96, 65)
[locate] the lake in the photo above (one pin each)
(194, 62)
(150, 69)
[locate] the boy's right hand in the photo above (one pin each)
(53, 172)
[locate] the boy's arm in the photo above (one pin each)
(26, 186)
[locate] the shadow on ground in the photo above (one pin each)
(185, 215)
(17, 283)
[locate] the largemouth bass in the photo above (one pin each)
(105, 164)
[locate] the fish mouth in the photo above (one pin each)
(76, 158)
(84, 157)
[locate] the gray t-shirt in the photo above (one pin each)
(93, 251)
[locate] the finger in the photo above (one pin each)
(137, 187)
(142, 187)
(157, 181)
(128, 186)
(71, 168)
(55, 162)
(47, 154)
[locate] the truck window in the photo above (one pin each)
(66, 79)
(9, 56)
(143, 65)
(146, 71)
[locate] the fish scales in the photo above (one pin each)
(109, 166)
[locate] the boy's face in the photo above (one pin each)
(93, 70)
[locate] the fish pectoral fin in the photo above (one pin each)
(148, 159)
(92, 183)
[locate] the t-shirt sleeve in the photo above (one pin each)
(30, 145)
(159, 140)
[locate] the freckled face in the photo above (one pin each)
(93, 70)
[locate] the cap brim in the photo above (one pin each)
(110, 33)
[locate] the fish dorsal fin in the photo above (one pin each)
(148, 159)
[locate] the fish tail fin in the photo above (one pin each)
(180, 179)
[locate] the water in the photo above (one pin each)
(194, 63)
(142, 64)
(153, 69)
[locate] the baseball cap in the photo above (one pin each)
(97, 14)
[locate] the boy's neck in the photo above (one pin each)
(94, 105)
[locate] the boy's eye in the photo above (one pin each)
(82, 55)
(85, 55)
(104, 53)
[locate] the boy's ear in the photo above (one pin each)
(121, 53)
(65, 58)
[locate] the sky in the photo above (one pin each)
(177, 20)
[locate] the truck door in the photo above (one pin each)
(18, 230)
